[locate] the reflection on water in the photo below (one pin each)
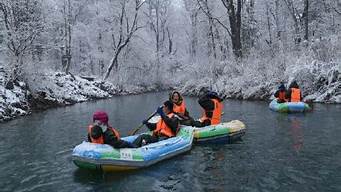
(280, 152)
(296, 133)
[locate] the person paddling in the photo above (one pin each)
(165, 128)
(280, 94)
(102, 133)
(294, 93)
(212, 109)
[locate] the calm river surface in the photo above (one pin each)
(280, 152)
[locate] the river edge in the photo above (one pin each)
(321, 84)
(57, 90)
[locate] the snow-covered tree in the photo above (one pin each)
(127, 26)
(23, 23)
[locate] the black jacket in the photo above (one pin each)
(288, 93)
(111, 139)
(277, 93)
(207, 104)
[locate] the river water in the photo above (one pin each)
(280, 152)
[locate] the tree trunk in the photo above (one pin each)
(278, 34)
(194, 38)
(211, 47)
(113, 63)
(268, 22)
(170, 42)
(235, 24)
(66, 59)
(306, 19)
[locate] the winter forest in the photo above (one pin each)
(66, 51)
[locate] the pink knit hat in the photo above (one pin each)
(101, 116)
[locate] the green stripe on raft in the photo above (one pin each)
(221, 129)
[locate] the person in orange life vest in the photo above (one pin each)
(102, 133)
(165, 128)
(294, 93)
(179, 106)
(280, 94)
(212, 106)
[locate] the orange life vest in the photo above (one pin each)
(179, 108)
(100, 140)
(295, 95)
(216, 116)
(163, 129)
(281, 96)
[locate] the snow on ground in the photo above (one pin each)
(55, 89)
(252, 79)
(319, 81)
(13, 101)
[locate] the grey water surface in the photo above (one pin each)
(280, 152)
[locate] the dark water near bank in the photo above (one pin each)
(280, 152)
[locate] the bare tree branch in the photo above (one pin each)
(337, 11)
(123, 40)
(214, 18)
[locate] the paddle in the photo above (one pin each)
(141, 125)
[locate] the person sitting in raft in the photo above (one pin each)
(280, 94)
(165, 128)
(294, 94)
(102, 133)
(179, 106)
(212, 109)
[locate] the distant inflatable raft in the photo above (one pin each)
(223, 132)
(289, 107)
(104, 157)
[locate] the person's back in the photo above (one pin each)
(212, 110)
(294, 93)
(281, 94)
(95, 134)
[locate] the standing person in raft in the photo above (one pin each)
(165, 128)
(280, 94)
(294, 93)
(212, 109)
(102, 133)
(179, 107)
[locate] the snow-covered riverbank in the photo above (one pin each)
(13, 98)
(53, 90)
(319, 82)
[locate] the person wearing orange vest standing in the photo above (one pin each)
(102, 133)
(165, 128)
(280, 94)
(179, 106)
(294, 93)
(212, 110)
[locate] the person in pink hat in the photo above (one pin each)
(101, 132)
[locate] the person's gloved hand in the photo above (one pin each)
(160, 111)
(145, 121)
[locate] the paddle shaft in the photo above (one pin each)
(141, 125)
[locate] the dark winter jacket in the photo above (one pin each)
(207, 104)
(111, 139)
(292, 85)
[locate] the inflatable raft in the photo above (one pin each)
(104, 157)
(223, 132)
(289, 107)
